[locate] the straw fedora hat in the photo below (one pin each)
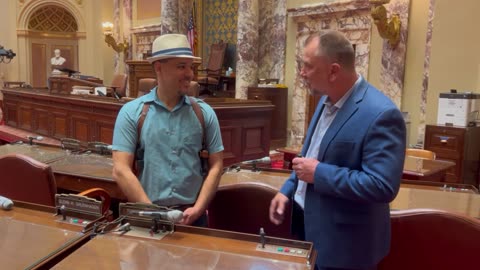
(171, 46)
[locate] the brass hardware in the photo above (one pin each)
(389, 30)
(110, 40)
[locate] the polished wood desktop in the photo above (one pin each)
(186, 248)
(33, 238)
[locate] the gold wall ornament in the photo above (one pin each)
(389, 30)
(110, 40)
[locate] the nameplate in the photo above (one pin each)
(78, 204)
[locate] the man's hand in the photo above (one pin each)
(305, 168)
(277, 208)
(190, 215)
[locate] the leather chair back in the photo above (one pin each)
(26, 179)
(228, 210)
(432, 239)
(145, 85)
(211, 75)
(119, 84)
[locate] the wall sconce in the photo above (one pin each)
(389, 30)
(108, 31)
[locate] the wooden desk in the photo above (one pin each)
(64, 85)
(33, 238)
(413, 168)
(279, 97)
(244, 124)
(426, 170)
(413, 194)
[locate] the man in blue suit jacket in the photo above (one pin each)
(354, 153)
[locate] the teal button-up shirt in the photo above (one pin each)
(170, 140)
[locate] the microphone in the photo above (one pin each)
(171, 215)
(5, 203)
(31, 138)
(38, 138)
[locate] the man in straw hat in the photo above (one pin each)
(167, 156)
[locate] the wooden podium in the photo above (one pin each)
(63, 85)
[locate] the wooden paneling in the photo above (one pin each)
(59, 124)
(244, 124)
(25, 117)
(39, 62)
(279, 98)
(41, 124)
(81, 128)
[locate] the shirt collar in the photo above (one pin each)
(152, 97)
(342, 101)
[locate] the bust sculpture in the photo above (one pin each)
(57, 62)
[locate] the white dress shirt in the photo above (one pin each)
(326, 119)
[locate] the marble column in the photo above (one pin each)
(174, 16)
(426, 74)
(247, 47)
(393, 59)
(116, 31)
(169, 16)
(127, 25)
(272, 39)
(127, 35)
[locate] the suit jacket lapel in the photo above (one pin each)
(313, 124)
(348, 109)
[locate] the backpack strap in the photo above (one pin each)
(141, 120)
(199, 114)
(143, 115)
(203, 154)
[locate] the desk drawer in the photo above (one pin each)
(445, 139)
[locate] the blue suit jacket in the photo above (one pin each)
(361, 156)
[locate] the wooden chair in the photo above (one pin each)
(210, 79)
(26, 179)
(119, 84)
(421, 153)
(432, 239)
(145, 85)
(227, 211)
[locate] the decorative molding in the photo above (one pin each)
(327, 9)
(350, 17)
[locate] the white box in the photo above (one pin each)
(458, 109)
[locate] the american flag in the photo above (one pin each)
(192, 33)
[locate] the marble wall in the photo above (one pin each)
(350, 17)
(261, 41)
(393, 58)
(353, 19)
